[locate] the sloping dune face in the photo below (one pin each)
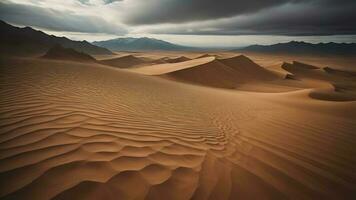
(166, 68)
(341, 84)
(245, 67)
(178, 59)
(123, 62)
(213, 72)
(81, 131)
(60, 53)
(224, 73)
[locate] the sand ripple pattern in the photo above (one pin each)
(75, 131)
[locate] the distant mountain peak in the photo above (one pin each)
(28, 41)
(301, 47)
(140, 44)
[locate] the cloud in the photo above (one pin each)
(56, 20)
(97, 2)
(318, 17)
(186, 17)
(110, 1)
(179, 11)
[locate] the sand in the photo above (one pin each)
(89, 131)
(211, 71)
(123, 61)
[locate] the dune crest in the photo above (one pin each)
(177, 59)
(165, 68)
(123, 62)
(210, 71)
(341, 84)
(224, 73)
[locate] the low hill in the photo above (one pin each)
(58, 52)
(28, 41)
(140, 44)
(303, 48)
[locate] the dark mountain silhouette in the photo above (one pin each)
(58, 52)
(28, 41)
(305, 48)
(140, 44)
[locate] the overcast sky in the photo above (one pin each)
(190, 22)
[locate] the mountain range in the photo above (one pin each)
(28, 41)
(295, 47)
(140, 44)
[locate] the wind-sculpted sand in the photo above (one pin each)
(210, 71)
(123, 61)
(89, 131)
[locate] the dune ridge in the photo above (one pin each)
(57, 52)
(340, 83)
(126, 61)
(177, 59)
(211, 71)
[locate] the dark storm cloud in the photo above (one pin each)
(55, 20)
(104, 1)
(110, 1)
(194, 17)
(178, 11)
(313, 17)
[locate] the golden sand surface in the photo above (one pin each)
(215, 127)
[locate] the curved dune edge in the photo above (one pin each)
(336, 85)
(126, 61)
(171, 67)
(77, 131)
(228, 73)
(332, 95)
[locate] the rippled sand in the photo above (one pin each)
(88, 131)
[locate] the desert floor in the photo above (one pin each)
(169, 127)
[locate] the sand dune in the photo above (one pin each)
(213, 73)
(341, 85)
(165, 68)
(207, 55)
(123, 62)
(88, 131)
(224, 73)
(305, 71)
(247, 68)
(58, 52)
(342, 73)
(177, 59)
(210, 71)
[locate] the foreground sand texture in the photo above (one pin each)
(88, 131)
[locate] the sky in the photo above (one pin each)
(201, 23)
